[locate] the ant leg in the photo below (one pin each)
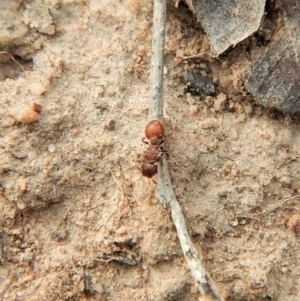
(162, 151)
(160, 146)
(154, 183)
(146, 142)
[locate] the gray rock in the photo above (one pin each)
(274, 78)
(228, 22)
(199, 85)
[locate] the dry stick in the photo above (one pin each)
(164, 191)
(276, 206)
(5, 52)
(157, 60)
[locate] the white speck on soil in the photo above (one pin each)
(51, 148)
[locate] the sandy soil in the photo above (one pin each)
(78, 220)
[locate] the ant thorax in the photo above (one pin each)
(154, 141)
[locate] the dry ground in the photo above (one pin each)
(79, 222)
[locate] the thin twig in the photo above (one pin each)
(164, 191)
(5, 52)
(277, 206)
(157, 60)
(195, 56)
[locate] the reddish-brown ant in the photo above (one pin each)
(154, 133)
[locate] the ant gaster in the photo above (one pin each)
(154, 133)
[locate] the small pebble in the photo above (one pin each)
(193, 110)
(203, 66)
(203, 73)
(22, 186)
(220, 102)
(294, 222)
(76, 132)
(37, 89)
(20, 205)
(97, 287)
(95, 6)
(283, 270)
(199, 85)
(231, 105)
(209, 101)
(110, 125)
(235, 150)
(51, 148)
(100, 91)
(284, 180)
(241, 118)
(28, 116)
(194, 289)
(83, 144)
(248, 108)
(36, 107)
(27, 256)
(179, 54)
(141, 51)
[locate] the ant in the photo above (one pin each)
(154, 133)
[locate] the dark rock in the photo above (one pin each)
(274, 78)
(199, 85)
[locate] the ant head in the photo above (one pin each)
(154, 129)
